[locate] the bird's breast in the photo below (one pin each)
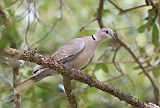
(83, 58)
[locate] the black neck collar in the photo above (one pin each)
(93, 37)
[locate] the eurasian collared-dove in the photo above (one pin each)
(76, 54)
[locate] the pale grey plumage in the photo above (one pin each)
(76, 54)
(69, 50)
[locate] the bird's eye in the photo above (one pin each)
(107, 32)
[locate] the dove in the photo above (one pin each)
(76, 54)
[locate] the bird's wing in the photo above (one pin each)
(69, 50)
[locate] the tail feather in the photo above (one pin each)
(42, 73)
(24, 85)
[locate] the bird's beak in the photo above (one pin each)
(113, 37)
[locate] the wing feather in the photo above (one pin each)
(69, 50)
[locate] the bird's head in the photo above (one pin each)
(105, 33)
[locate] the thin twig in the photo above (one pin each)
(85, 25)
(100, 13)
(116, 6)
(119, 69)
(110, 62)
(125, 10)
(65, 5)
(133, 8)
(114, 78)
(52, 28)
(4, 17)
(28, 24)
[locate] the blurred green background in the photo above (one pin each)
(45, 25)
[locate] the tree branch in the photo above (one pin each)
(74, 74)
(16, 80)
(100, 13)
(4, 17)
(69, 93)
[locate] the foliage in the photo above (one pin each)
(38, 25)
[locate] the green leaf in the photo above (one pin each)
(95, 14)
(142, 28)
(155, 35)
(104, 67)
(155, 72)
(106, 12)
(3, 43)
(30, 72)
(136, 68)
(8, 2)
(120, 13)
(152, 15)
(9, 35)
(142, 50)
(1, 20)
(10, 12)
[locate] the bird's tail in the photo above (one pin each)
(24, 85)
(42, 73)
